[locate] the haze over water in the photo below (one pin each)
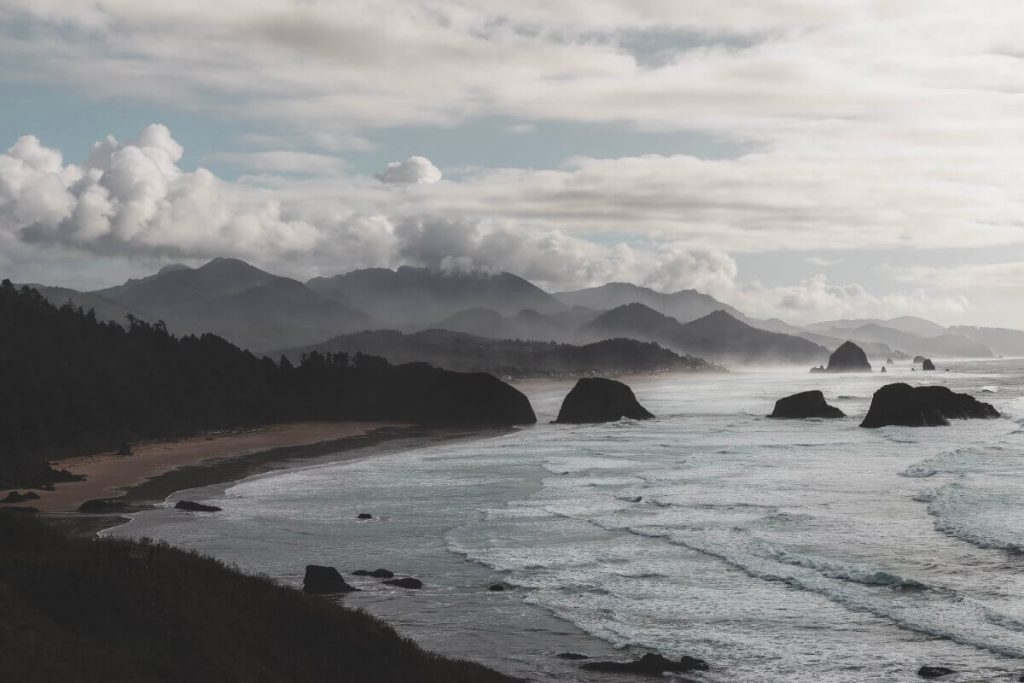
(797, 550)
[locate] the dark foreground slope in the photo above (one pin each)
(73, 386)
(514, 357)
(111, 611)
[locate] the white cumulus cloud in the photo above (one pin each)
(415, 170)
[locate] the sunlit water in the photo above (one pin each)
(778, 550)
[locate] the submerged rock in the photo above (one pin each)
(649, 665)
(364, 515)
(805, 404)
(320, 579)
(191, 506)
(15, 497)
(496, 587)
(376, 573)
(934, 671)
(406, 582)
(848, 358)
(571, 655)
(596, 399)
(902, 404)
(927, 364)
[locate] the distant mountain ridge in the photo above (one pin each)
(510, 357)
(412, 297)
(684, 305)
(718, 335)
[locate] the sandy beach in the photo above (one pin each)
(108, 475)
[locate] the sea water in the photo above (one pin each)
(778, 550)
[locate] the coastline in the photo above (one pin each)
(116, 484)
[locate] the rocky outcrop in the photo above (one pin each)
(848, 358)
(320, 579)
(902, 404)
(405, 582)
(805, 404)
(934, 671)
(191, 506)
(927, 364)
(649, 665)
(376, 573)
(364, 515)
(16, 497)
(595, 399)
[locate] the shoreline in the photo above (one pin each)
(117, 485)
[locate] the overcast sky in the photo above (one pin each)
(805, 160)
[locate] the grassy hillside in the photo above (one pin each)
(107, 611)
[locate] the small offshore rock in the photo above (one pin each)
(192, 506)
(571, 655)
(649, 665)
(320, 579)
(405, 582)
(803, 405)
(496, 587)
(364, 515)
(927, 364)
(934, 671)
(376, 573)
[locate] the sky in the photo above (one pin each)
(802, 160)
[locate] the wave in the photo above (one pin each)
(988, 519)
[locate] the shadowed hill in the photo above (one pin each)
(717, 335)
(99, 611)
(413, 297)
(243, 304)
(517, 358)
(74, 385)
(684, 305)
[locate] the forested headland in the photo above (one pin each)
(74, 385)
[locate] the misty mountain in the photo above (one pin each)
(237, 301)
(526, 324)
(907, 324)
(684, 305)
(1001, 340)
(507, 357)
(945, 345)
(717, 335)
(414, 297)
(104, 308)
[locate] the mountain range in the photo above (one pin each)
(265, 313)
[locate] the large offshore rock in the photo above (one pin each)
(805, 404)
(848, 358)
(902, 404)
(595, 399)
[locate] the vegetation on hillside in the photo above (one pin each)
(74, 385)
(85, 610)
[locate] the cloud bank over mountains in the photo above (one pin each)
(861, 127)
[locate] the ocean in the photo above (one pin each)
(777, 550)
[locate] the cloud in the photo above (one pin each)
(284, 161)
(413, 171)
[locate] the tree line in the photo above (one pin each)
(74, 385)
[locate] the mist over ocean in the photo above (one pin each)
(804, 550)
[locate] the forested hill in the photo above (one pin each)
(74, 385)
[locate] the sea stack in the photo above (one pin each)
(596, 399)
(848, 358)
(803, 405)
(902, 404)
(320, 579)
(927, 364)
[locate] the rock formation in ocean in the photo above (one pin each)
(596, 399)
(320, 579)
(902, 404)
(805, 404)
(192, 506)
(927, 364)
(919, 359)
(405, 582)
(649, 665)
(376, 573)
(934, 671)
(848, 358)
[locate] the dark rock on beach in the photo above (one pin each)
(649, 665)
(406, 582)
(848, 358)
(320, 579)
(934, 671)
(376, 573)
(15, 497)
(596, 399)
(191, 506)
(902, 404)
(805, 404)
